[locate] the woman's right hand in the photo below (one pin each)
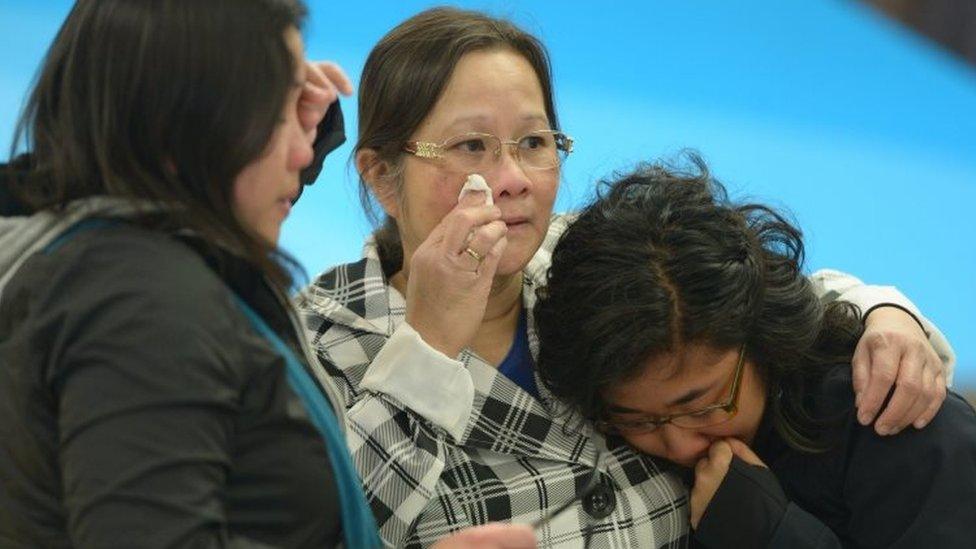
(447, 286)
(490, 536)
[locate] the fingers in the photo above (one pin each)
(899, 354)
(938, 396)
(883, 367)
(490, 265)
(324, 82)
(336, 76)
(463, 220)
(744, 452)
(920, 391)
(483, 241)
(908, 389)
(922, 403)
(709, 473)
(860, 370)
(718, 460)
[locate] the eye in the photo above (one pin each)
(531, 142)
(470, 145)
(703, 413)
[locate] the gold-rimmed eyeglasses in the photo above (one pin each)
(705, 417)
(477, 152)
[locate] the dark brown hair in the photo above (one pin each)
(404, 77)
(662, 258)
(163, 101)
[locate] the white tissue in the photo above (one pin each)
(476, 183)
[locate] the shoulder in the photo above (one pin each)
(947, 443)
(558, 224)
(539, 264)
(916, 484)
(129, 264)
(128, 295)
(333, 281)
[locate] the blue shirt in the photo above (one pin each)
(518, 365)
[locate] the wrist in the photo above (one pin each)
(431, 338)
(889, 309)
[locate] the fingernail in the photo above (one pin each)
(884, 430)
(921, 424)
(863, 418)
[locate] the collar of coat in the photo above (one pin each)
(351, 311)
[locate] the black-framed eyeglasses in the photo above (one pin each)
(705, 417)
(476, 152)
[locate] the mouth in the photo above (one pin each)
(515, 222)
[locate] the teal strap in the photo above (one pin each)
(358, 525)
(83, 225)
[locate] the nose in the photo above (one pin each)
(510, 178)
(684, 446)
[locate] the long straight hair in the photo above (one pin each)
(164, 101)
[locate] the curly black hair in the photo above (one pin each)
(662, 258)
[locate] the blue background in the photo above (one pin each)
(865, 131)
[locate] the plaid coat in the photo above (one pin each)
(459, 444)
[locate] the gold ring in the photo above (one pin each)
(478, 257)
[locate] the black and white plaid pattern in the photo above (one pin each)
(517, 459)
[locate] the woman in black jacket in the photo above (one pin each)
(696, 338)
(155, 386)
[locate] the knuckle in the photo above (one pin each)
(875, 340)
(912, 386)
(885, 375)
(464, 216)
(917, 348)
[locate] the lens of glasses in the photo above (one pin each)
(538, 150)
(478, 152)
(705, 418)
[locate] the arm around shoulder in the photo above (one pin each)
(833, 285)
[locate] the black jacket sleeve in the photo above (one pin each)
(750, 510)
(147, 395)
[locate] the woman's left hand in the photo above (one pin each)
(324, 81)
(894, 352)
(710, 471)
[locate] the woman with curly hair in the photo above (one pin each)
(681, 322)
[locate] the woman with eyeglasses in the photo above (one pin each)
(681, 322)
(430, 334)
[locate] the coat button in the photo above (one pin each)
(600, 503)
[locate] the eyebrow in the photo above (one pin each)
(483, 119)
(683, 399)
(693, 394)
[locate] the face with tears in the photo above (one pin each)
(490, 119)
